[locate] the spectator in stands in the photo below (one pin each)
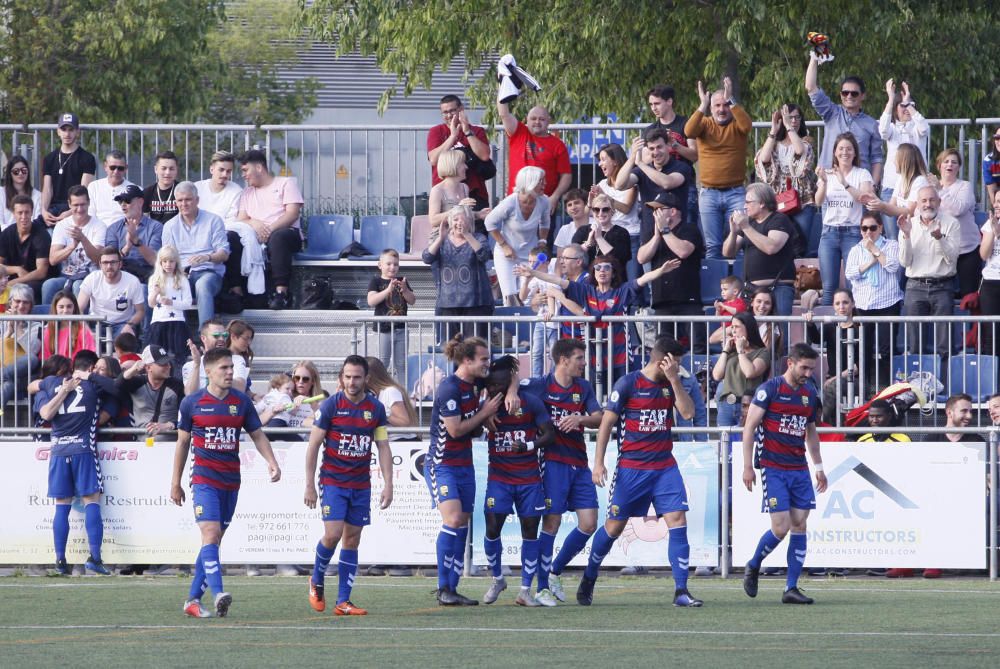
(68, 166)
(928, 249)
(842, 191)
(398, 407)
(911, 176)
(114, 295)
(66, 337)
(451, 189)
(457, 133)
(104, 204)
(611, 158)
(272, 205)
(463, 287)
(544, 331)
(21, 342)
(241, 335)
(531, 144)
(651, 169)
(762, 304)
(307, 383)
(155, 394)
(517, 224)
(391, 295)
(274, 405)
(900, 123)
(137, 236)
(575, 202)
(169, 296)
(847, 117)
(158, 197)
(880, 414)
(661, 103)
(25, 247)
(126, 347)
(213, 334)
(603, 236)
(742, 366)
(721, 127)
(219, 194)
(764, 236)
(572, 266)
(731, 302)
(873, 269)
(200, 237)
(786, 162)
(989, 290)
(116, 409)
(76, 246)
(959, 201)
(17, 181)
(671, 236)
(991, 167)
(840, 342)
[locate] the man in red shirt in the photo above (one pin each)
(531, 143)
(457, 133)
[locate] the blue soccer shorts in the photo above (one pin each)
(447, 483)
(568, 488)
(351, 505)
(72, 475)
(213, 504)
(528, 499)
(786, 489)
(633, 490)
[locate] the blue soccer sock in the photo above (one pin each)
(60, 529)
(445, 556)
(598, 551)
(347, 568)
(95, 529)
(796, 558)
(529, 561)
(493, 549)
(198, 580)
(323, 557)
(571, 547)
(678, 552)
(546, 542)
(458, 562)
(768, 542)
(213, 570)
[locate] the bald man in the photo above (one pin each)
(531, 143)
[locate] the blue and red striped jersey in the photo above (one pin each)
(507, 466)
(614, 302)
(575, 400)
(788, 412)
(645, 411)
(347, 448)
(215, 424)
(454, 397)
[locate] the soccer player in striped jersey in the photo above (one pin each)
(210, 419)
(566, 475)
(346, 424)
(785, 409)
(514, 482)
(642, 404)
(72, 405)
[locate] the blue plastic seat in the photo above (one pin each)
(382, 232)
(906, 364)
(973, 374)
(712, 272)
(417, 364)
(326, 236)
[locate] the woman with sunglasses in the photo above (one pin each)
(610, 159)
(740, 368)
(786, 161)
(603, 236)
(17, 181)
(991, 167)
(959, 201)
(306, 383)
(873, 271)
(517, 224)
(900, 123)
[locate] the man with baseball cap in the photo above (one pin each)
(137, 236)
(156, 395)
(67, 166)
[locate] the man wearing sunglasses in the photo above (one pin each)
(846, 117)
(103, 192)
(213, 335)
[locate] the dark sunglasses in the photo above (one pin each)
(601, 210)
(19, 170)
(116, 168)
(868, 228)
(305, 379)
(603, 267)
(850, 94)
(996, 137)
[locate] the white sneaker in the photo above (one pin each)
(545, 598)
(194, 608)
(555, 587)
(524, 598)
(634, 571)
(703, 571)
(223, 601)
(498, 586)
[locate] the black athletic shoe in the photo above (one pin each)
(465, 601)
(446, 597)
(280, 301)
(751, 576)
(683, 599)
(62, 568)
(585, 593)
(795, 596)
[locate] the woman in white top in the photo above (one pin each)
(844, 189)
(17, 181)
(610, 159)
(399, 409)
(959, 201)
(989, 290)
(517, 224)
(911, 176)
(900, 123)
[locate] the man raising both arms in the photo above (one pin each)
(212, 418)
(346, 425)
(786, 408)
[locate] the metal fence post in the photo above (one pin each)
(725, 555)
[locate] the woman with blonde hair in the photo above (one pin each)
(451, 191)
(958, 200)
(66, 338)
(398, 407)
(911, 176)
(169, 295)
(306, 383)
(517, 224)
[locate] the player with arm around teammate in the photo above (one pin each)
(642, 405)
(211, 419)
(346, 424)
(785, 408)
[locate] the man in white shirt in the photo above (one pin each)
(103, 192)
(113, 294)
(76, 245)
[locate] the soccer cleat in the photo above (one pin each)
(97, 567)
(349, 609)
(316, 598)
(555, 586)
(795, 596)
(899, 572)
(193, 608)
(446, 597)
(465, 601)
(524, 598)
(499, 585)
(62, 568)
(683, 599)
(751, 576)
(223, 601)
(585, 593)
(545, 597)
(932, 573)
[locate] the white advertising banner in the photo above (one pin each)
(886, 505)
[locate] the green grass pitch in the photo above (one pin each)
(856, 622)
